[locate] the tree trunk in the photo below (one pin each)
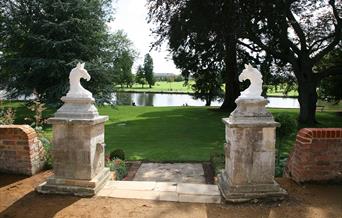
(307, 100)
(232, 90)
(208, 100)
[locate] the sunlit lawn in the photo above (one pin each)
(170, 133)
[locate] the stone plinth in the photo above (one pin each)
(249, 153)
(78, 152)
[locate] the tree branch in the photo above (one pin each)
(297, 29)
(319, 42)
(332, 71)
(249, 46)
(337, 35)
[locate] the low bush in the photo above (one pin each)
(288, 124)
(217, 161)
(288, 127)
(117, 154)
(119, 167)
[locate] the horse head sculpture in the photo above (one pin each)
(76, 89)
(255, 88)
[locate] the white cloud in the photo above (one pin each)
(131, 16)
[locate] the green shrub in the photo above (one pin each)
(288, 127)
(217, 161)
(47, 147)
(288, 124)
(117, 154)
(119, 167)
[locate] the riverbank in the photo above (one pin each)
(164, 87)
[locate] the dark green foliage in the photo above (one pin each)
(330, 89)
(148, 70)
(288, 124)
(42, 40)
(117, 153)
(202, 36)
(140, 77)
(217, 160)
(287, 129)
(123, 56)
(119, 167)
(47, 147)
(299, 34)
(207, 86)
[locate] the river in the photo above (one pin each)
(161, 100)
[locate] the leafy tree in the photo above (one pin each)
(148, 69)
(123, 55)
(140, 77)
(207, 87)
(330, 87)
(202, 35)
(42, 40)
(299, 33)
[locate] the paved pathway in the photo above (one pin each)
(171, 172)
(163, 191)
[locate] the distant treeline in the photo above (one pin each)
(169, 77)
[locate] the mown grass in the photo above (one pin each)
(171, 133)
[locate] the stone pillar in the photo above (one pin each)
(249, 153)
(78, 152)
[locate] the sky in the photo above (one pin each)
(131, 16)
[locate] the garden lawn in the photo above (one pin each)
(171, 133)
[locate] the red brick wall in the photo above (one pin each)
(20, 150)
(316, 155)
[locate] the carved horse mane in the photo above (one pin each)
(255, 77)
(76, 89)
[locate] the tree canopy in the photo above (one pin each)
(299, 33)
(148, 70)
(292, 35)
(123, 55)
(42, 40)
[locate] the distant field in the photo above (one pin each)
(176, 87)
(179, 87)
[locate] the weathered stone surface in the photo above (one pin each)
(249, 153)
(77, 108)
(195, 189)
(78, 152)
(171, 172)
(83, 188)
(163, 191)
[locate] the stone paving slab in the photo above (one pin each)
(171, 172)
(163, 191)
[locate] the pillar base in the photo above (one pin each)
(244, 193)
(83, 188)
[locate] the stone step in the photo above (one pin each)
(162, 191)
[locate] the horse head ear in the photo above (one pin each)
(248, 66)
(82, 65)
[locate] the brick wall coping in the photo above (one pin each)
(306, 135)
(28, 131)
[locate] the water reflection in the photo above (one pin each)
(160, 100)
